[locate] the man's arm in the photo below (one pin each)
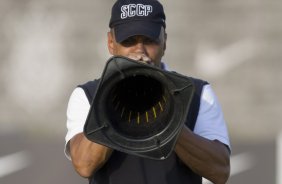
(210, 159)
(87, 157)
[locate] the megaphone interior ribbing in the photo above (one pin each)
(139, 106)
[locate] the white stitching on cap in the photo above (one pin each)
(132, 10)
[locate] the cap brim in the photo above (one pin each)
(145, 28)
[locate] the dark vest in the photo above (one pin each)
(122, 168)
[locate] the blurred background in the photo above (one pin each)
(49, 47)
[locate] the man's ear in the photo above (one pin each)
(165, 38)
(164, 42)
(110, 43)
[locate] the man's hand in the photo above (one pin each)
(210, 159)
(141, 57)
(87, 157)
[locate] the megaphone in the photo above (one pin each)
(139, 109)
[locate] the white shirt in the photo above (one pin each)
(210, 123)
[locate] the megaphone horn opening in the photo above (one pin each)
(139, 106)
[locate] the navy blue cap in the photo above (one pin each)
(137, 17)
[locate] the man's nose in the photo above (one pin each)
(140, 47)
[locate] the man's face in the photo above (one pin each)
(139, 48)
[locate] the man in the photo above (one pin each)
(138, 32)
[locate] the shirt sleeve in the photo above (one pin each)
(77, 111)
(210, 123)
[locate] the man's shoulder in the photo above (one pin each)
(198, 81)
(89, 88)
(89, 83)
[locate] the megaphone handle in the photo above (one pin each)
(97, 129)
